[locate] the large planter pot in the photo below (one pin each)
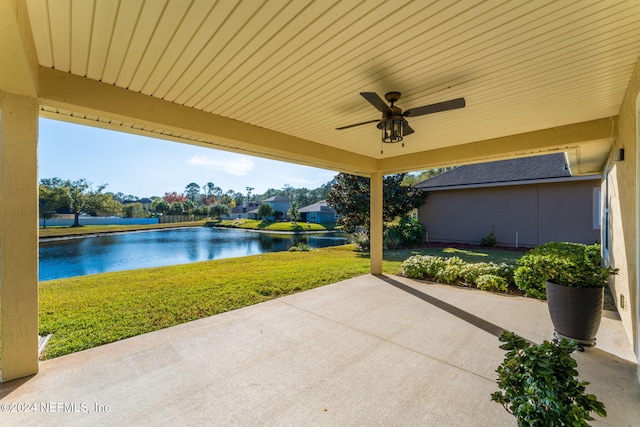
(575, 312)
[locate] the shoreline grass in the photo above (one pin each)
(58, 231)
(260, 225)
(88, 311)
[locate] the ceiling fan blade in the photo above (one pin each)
(358, 124)
(376, 101)
(407, 129)
(435, 108)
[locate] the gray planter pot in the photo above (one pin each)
(575, 312)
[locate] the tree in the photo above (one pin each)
(265, 210)
(51, 198)
(218, 210)
(174, 197)
(294, 213)
(176, 209)
(418, 177)
(188, 206)
(350, 197)
(160, 206)
(82, 199)
(133, 210)
(192, 192)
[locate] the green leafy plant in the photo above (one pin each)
(300, 247)
(361, 239)
(491, 282)
(539, 384)
(490, 240)
(486, 276)
(407, 233)
(568, 264)
(452, 270)
(422, 266)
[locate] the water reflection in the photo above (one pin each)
(115, 252)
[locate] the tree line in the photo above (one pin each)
(347, 194)
(80, 197)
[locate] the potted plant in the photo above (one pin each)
(572, 278)
(539, 384)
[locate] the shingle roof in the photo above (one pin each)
(321, 206)
(504, 171)
(276, 199)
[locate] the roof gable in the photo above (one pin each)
(321, 206)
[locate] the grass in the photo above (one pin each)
(58, 231)
(89, 311)
(252, 224)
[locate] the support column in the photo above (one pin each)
(375, 222)
(18, 236)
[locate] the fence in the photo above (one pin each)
(97, 220)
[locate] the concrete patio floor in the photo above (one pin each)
(374, 350)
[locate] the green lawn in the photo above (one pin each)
(88, 311)
(252, 224)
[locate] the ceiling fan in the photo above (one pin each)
(393, 123)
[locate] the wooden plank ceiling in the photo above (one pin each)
(297, 67)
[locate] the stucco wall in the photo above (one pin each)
(538, 213)
(623, 196)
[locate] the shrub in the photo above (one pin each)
(407, 233)
(569, 264)
(472, 271)
(300, 247)
(491, 282)
(490, 240)
(539, 384)
(361, 239)
(393, 238)
(422, 266)
(452, 271)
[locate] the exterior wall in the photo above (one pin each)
(538, 213)
(281, 206)
(622, 183)
(320, 217)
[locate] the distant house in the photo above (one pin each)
(146, 203)
(526, 201)
(319, 212)
(243, 211)
(280, 205)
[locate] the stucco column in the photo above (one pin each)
(375, 225)
(18, 236)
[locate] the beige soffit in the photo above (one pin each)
(295, 68)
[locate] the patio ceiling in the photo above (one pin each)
(276, 78)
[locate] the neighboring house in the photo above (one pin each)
(243, 211)
(319, 212)
(526, 201)
(146, 203)
(280, 205)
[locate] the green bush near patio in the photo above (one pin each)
(563, 263)
(453, 270)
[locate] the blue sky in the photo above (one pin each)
(144, 167)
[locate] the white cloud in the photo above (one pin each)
(238, 166)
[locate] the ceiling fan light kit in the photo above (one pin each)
(393, 124)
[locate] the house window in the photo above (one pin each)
(313, 216)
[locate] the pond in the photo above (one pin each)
(128, 251)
